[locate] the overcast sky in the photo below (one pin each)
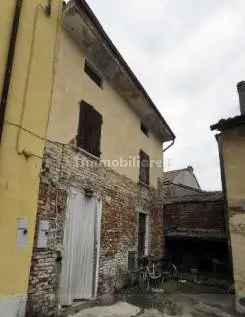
(189, 55)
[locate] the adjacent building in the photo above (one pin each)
(27, 51)
(194, 225)
(231, 143)
(181, 182)
(100, 203)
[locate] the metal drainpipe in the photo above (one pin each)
(163, 203)
(169, 146)
(164, 150)
(10, 62)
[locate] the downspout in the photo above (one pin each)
(163, 203)
(164, 150)
(169, 146)
(47, 10)
(9, 64)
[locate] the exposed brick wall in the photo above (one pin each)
(157, 239)
(194, 215)
(43, 275)
(65, 166)
(196, 234)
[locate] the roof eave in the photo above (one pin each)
(230, 123)
(82, 5)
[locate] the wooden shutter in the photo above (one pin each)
(89, 130)
(144, 168)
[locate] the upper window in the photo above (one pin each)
(144, 168)
(89, 129)
(93, 74)
(144, 129)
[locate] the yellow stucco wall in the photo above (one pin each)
(121, 133)
(234, 165)
(28, 106)
(6, 7)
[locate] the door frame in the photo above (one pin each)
(97, 235)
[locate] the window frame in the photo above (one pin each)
(144, 171)
(142, 238)
(87, 139)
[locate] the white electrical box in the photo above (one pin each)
(22, 232)
(43, 230)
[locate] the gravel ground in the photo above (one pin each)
(176, 299)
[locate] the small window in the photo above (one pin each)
(93, 74)
(131, 261)
(142, 235)
(144, 168)
(144, 129)
(89, 129)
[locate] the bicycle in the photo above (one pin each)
(148, 273)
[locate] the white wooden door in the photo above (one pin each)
(81, 248)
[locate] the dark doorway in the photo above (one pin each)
(204, 255)
(141, 235)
